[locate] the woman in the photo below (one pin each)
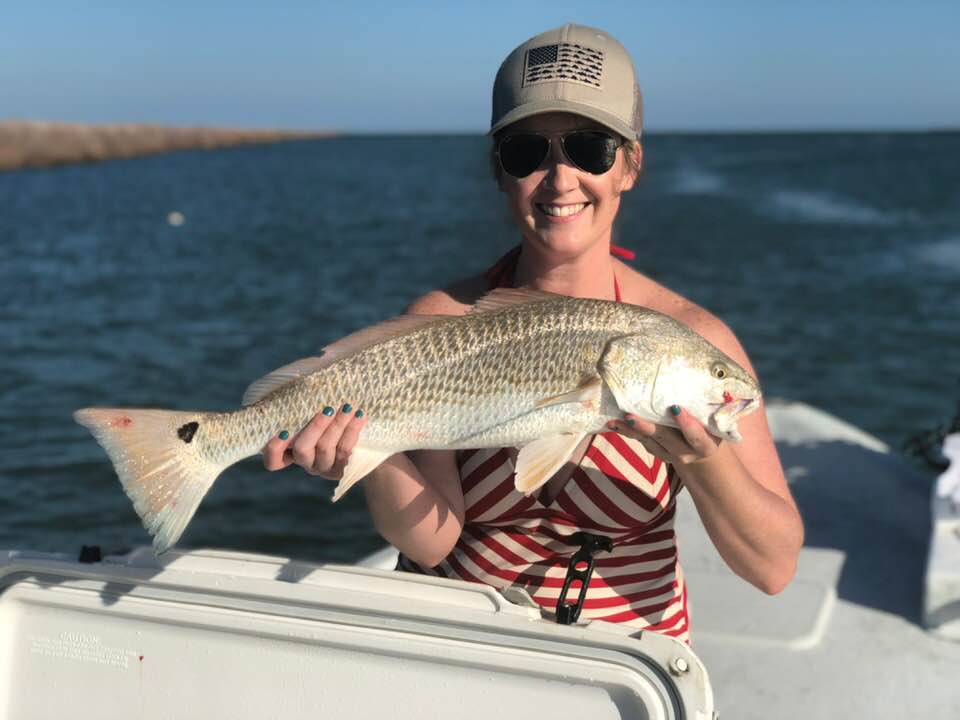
(566, 127)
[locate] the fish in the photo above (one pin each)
(521, 368)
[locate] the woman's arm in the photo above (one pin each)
(739, 489)
(416, 503)
(414, 498)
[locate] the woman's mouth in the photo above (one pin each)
(561, 211)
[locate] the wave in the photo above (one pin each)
(944, 254)
(913, 256)
(690, 180)
(814, 207)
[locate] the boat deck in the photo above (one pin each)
(846, 638)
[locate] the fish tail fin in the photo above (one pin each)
(159, 460)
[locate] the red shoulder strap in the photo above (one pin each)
(500, 274)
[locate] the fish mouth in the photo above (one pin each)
(733, 409)
(724, 418)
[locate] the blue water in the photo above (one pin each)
(836, 259)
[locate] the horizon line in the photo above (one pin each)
(680, 131)
(384, 132)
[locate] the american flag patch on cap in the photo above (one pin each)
(563, 61)
(542, 55)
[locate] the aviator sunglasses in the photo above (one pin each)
(592, 151)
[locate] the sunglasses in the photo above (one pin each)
(590, 150)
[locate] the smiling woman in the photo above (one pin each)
(566, 125)
(562, 207)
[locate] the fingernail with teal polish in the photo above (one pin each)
(630, 421)
(283, 435)
(674, 410)
(359, 413)
(328, 411)
(347, 407)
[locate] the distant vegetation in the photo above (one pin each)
(39, 144)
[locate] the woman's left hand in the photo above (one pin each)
(691, 443)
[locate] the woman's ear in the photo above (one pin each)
(495, 168)
(633, 166)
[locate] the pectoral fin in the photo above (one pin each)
(609, 369)
(586, 392)
(362, 462)
(539, 460)
(658, 401)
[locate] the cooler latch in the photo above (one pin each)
(567, 613)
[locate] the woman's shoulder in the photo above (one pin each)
(455, 299)
(640, 289)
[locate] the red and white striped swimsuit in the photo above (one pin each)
(619, 490)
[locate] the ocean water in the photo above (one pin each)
(835, 258)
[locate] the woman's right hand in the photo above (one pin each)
(322, 448)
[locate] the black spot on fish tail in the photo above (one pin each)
(186, 432)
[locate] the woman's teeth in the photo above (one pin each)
(561, 210)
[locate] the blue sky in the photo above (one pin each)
(422, 67)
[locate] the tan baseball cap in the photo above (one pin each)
(573, 69)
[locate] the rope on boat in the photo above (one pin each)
(926, 444)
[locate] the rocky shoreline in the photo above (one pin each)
(30, 144)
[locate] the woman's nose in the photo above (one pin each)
(561, 174)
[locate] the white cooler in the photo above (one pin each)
(216, 634)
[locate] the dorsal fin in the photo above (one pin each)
(381, 332)
(344, 347)
(504, 297)
(282, 376)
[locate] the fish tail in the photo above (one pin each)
(158, 457)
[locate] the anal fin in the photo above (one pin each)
(362, 462)
(539, 460)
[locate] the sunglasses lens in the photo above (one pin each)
(595, 152)
(520, 155)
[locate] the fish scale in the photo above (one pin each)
(525, 369)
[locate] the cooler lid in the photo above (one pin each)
(221, 634)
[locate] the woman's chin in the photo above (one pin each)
(561, 242)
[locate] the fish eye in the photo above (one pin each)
(719, 370)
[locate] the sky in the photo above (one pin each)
(385, 67)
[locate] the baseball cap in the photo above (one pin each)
(575, 69)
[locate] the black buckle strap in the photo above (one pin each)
(567, 613)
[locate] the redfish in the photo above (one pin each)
(521, 369)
